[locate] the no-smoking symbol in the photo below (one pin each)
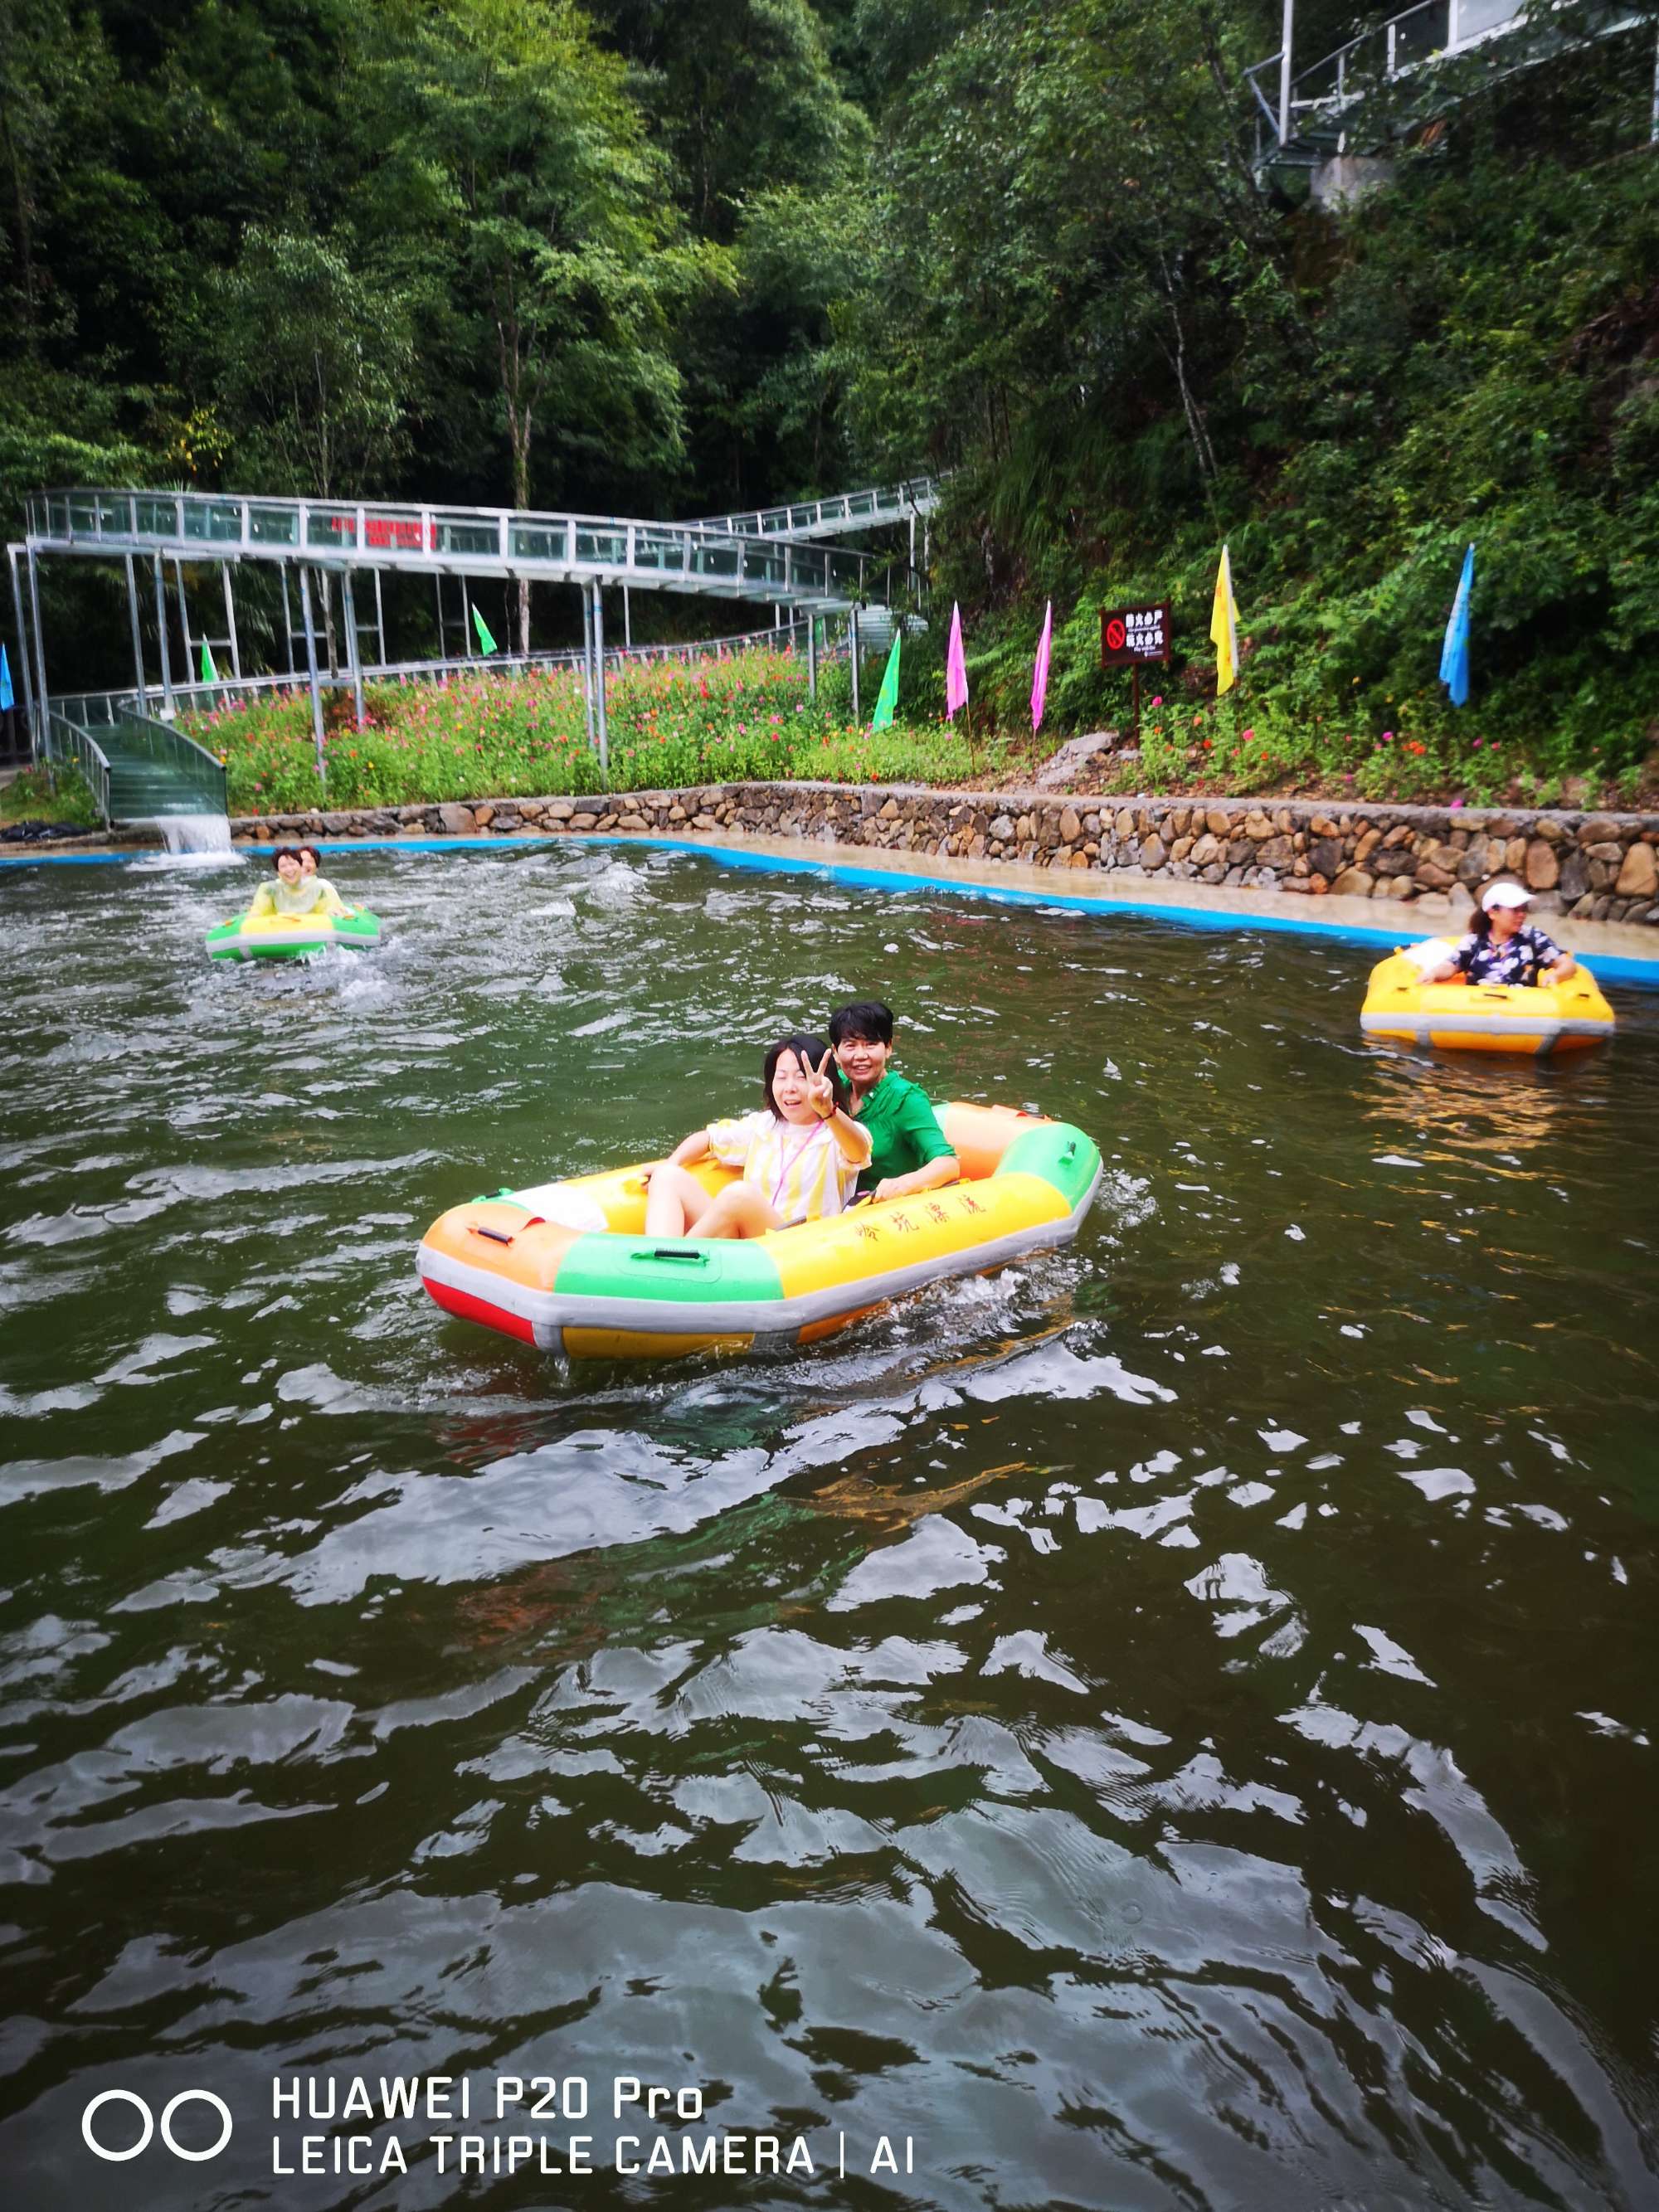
(1116, 633)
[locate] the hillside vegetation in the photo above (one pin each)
(632, 257)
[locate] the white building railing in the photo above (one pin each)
(459, 541)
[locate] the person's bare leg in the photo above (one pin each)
(675, 1203)
(741, 1210)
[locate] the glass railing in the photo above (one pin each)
(194, 525)
(1398, 45)
(65, 742)
(130, 733)
(883, 503)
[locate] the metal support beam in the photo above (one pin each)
(627, 621)
(24, 668)
(169, 708)
(311, 671)
(587, 659)
(137, 640)
(598, 688)
(1286, 35)
(852, 655)
(812, 657)
(380, 619)
(288, 621)
(190, 669)
(354, 658)
(42, 695)
(230, 625)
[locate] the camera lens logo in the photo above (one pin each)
(178, 2150)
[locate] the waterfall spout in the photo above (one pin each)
(196, 833)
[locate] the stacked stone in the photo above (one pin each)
(1604, 867)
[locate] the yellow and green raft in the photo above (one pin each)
(290, 936)
(566, 1265)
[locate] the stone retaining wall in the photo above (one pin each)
(1602, 867)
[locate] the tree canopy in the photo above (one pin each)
(631, 255)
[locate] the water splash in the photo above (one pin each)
(197, 836)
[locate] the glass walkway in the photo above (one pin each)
(140, 766)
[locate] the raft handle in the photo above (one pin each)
(672, 1252)
(506, 1235)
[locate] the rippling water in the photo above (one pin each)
(1169, 1726)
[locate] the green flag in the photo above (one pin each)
(887, 697)
(486, 643)
(209, 673)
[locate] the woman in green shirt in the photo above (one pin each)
(909, 1151)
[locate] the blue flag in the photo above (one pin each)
(1455, 652)
(7, 698)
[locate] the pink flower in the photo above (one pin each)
(1158, 701)
(1456, 802)
(1248, 734)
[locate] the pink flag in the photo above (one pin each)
(1040, 673)
(955, 668)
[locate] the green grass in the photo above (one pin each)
(751, 719)
(58, 794)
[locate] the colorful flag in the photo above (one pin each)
(7, 699)
(1040, 674)
(1224, 627)
(209, 673)
(1455, 652)
(955, 668)
(486, 643)
(887, 697)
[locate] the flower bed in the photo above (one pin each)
(714, 721)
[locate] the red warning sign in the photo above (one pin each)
(1130, 635)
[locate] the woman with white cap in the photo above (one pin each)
(1504, 947)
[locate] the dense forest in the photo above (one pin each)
(666, 257)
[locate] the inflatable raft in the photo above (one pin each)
(290, 936)
(566, 1265)
(1481, 1016)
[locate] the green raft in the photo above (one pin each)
(290, 936)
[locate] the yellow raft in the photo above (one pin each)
(1536, 1020)
(566, 1265)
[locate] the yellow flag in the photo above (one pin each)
(1224, 627)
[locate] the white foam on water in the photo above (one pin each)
(200, 840)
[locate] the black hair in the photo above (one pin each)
(289, 851)
(812, 1048)
(864, 1018)
(300, 852)
(1480, 924)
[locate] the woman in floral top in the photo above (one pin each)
(1504, 947)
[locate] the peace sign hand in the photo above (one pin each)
(820, 1091)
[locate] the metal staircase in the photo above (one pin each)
(1304, 117)
(140, 769)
